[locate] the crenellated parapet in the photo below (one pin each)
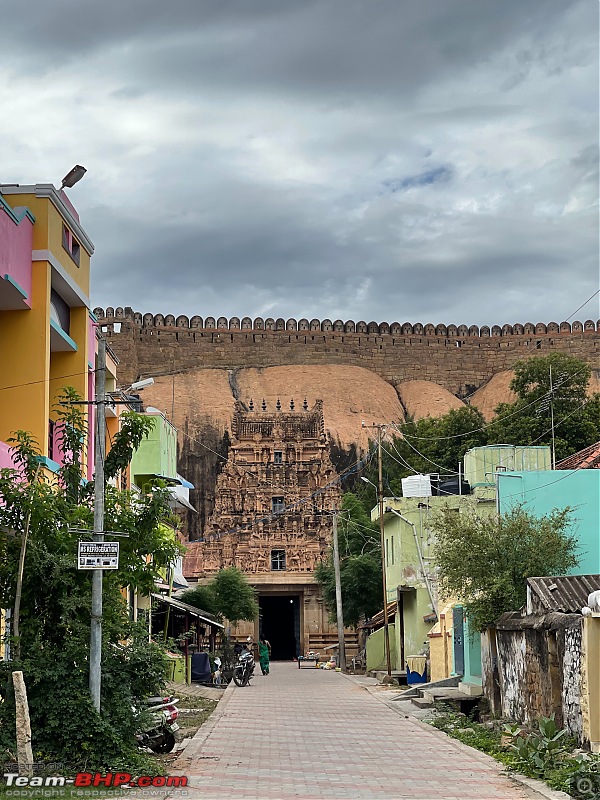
(109, 316)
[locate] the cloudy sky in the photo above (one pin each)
(421, 160)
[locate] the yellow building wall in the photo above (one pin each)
(591, 682)
(47, 235)
(440, 645)
(25, 363)
(37, 376)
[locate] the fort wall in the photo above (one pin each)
(458, 357)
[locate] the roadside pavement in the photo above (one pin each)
(316, 735)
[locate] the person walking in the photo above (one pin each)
(264, 654)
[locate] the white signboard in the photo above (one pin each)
(98, 555)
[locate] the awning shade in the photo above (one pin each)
(170, 479)
(192, 610)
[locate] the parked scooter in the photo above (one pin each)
(160, 728)
(244, 669)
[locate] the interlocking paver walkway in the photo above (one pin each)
(317, 735)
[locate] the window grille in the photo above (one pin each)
(278, 560)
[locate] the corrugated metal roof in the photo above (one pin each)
(567, 594)
(588, 458)
(376, 620)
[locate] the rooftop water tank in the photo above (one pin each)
(416, 486)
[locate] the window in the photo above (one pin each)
(60, 313)
(71, 245)
(278, 560)
(278, 457)
(392, 549)
(51, 425)
(277, 504)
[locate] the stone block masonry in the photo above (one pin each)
(458, 358)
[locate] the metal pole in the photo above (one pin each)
(382, 534)
(338, 595)
(552, 419)
(99, 440)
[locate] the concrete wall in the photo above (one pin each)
(590, 696)
(541, 492)
(540, 674)
(440, 645)
(473, 669)
(376, 650)
(16, 235)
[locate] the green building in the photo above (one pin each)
(410, 577)
(156, 457)
(409, 558)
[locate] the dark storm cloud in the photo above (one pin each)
(344, 158)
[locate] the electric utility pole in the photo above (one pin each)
(100, 442)
(338, 595)
(552, 419)
(386, 629)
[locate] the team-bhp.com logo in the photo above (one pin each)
(96, 779)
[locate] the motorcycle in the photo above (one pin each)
(244, 669)
(158, 732)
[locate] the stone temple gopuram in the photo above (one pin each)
(273, 520)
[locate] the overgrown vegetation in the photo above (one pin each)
(53, 646)
(543, 752)
(484, 562)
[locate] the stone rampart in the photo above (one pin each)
(111, 315)
(458, 357)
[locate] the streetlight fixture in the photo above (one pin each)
(142, 384)
(73, 176)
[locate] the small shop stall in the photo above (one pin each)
(194, 630)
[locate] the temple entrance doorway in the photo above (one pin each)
(280, 624)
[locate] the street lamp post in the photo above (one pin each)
(379, 491)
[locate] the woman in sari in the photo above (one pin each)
(264, 652)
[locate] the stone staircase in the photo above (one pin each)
(445, 691)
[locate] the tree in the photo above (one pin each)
(433, 444)
(554, 384)
(56, 603)
(360, 564)
(203, 598)
(484, 562)
(235, 599)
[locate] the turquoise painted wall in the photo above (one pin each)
(473, 668)
(541, 492)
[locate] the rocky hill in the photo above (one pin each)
(376, 373)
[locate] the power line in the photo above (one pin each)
(279, 514)
(583, 304)
(492, 422)
(47, 380)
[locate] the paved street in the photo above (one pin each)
(314, 734)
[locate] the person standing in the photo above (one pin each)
(264, 655)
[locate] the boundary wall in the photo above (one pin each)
(111, 315)
(457, 357)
